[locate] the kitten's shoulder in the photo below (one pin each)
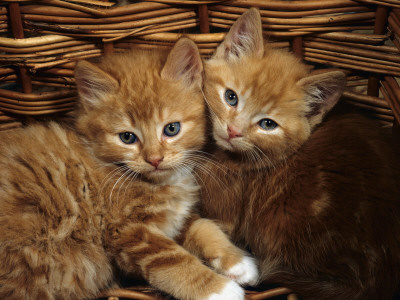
(352, 135)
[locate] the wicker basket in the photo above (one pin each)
(41, 40)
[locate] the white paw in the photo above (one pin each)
(244, 272)
(231, 291)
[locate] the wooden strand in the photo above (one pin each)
(294, 5)
(92, 11)
(377, 110)
(130, 294)
(94, 2)
(384, 3)
(130, 9)
(290, 14)
(66, 82)
(390, 98)
(121, 25)
(189, 2)
(38, 104)
(8, 107)
(373, 39)
(359, 60)
(78, 21)
(332, 19)
(173, 37)
(290, 33)
(33, 41)
(351, 63)
(92, 54)
(365, 99)
(35, 97)
(37, 49)
(268, 293)
(38, 112)
(10, 125)
(380, 49)
(51, 52)
(393, 90)
(359, 52)
(12, 78)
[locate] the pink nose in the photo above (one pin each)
(234, 132)
(155, 161)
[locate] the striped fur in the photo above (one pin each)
(76, 202)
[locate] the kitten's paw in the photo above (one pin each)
(231, 291)
(244, 272)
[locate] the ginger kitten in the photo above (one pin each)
(316, 200)
(116, 190)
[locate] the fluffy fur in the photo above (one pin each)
(116, 190)
(317, 203)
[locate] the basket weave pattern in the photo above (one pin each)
(40, 41)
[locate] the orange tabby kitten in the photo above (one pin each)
(116, 190)
(317, 203)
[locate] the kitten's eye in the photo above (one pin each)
(267, 124)
(128, 137)
(172, 129)
(231, 98)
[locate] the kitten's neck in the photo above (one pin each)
(239, 161)
(174, 178)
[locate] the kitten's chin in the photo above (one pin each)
(158, 175)
(227, 146)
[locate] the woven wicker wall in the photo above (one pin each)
(41, 40)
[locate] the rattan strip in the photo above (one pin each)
(388, 3)
(80, 21)
(129, 293)
(291, 14)
(280, 20)
(394, 26)
(391, 91)
(130, 9)
(294, 5)
(318, 20)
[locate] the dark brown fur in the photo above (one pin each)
(322, 217)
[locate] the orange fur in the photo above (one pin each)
(78, 202)
(317, 203)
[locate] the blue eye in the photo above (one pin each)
(128, 137)
(231, 98)
(267, 124)
(172, 129)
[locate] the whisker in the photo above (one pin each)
(108, 177)
(127, 171)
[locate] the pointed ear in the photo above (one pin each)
(322, 93)
(244, 38)
(184, 63)
(93, 83)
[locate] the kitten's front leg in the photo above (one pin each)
(205, 239)
(168, 266)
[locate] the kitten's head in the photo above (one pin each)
(144, 110)
(264, 102)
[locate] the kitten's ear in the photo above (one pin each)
(93, 83)
(244, 38)
(322, 93)
(184, 63)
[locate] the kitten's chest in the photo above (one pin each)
(165, 206)
(178, 207)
